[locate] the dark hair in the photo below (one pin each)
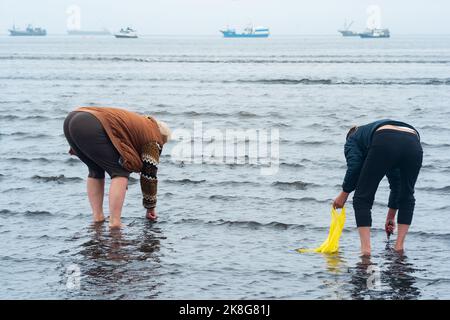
(351, 131)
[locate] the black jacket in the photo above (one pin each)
(356, 149)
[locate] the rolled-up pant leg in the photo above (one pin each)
(410, 166)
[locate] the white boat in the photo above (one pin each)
(126, 33)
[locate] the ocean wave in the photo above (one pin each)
(184, 181)
(230, 60)
(282, 199)
(26, 213)
(237, 183)
(385, 82)
(297, 185)
(250, 224)
(444, 189)
(291, 165)
(14, 189)
(433, 127)
(224, 197)
(269, 81)
(72, 161)
(285, 81)
(15, 102)
(58, 179)
(311, 142)
(303, 199)
(247, 224)
(28, 160)
(444, 236)
(12, 117)
(193, 114)
(435, 145)
(26, 135)
(37, 213)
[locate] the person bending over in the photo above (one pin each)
(382, 148)
(119, 142)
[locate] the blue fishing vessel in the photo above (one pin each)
(29, 31)
(375, 33)
(249, 32)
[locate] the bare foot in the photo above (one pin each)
(399, 250)
(99, 219)
(115, 225)
(365, 253)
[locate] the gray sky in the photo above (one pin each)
(205, 17)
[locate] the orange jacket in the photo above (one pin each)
(139, 142)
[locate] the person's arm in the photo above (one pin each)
(394, 184)
(355, 159)
(149, 182)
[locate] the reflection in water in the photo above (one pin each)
(335, 263)
(113, 264)
(360, 279)
(399, 276)
(394, 281)
(336, 266)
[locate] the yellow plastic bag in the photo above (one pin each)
(331, 244)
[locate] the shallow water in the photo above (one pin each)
(225, 231)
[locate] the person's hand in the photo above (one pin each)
(340, 200)
(151, 214)
(389, 226)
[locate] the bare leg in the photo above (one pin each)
(117, 192)
(96, 191)
(364, 236)
(402, 231)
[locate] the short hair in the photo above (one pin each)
(351, 131)
(164, 130)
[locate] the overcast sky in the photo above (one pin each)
(205, 17)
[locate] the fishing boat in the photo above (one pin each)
(375, 33)
(29, 31)
(129, 33)
(249, 32)
(346, 32)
